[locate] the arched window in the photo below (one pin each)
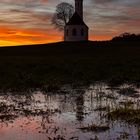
(82, 32)
(67, 32)
(74, 32)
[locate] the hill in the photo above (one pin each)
(24, 67)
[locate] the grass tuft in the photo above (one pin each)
(95, 128)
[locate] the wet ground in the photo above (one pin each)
(70, 113)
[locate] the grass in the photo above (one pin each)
(6, 112)
(67, 63)
(11, 112)
(100, 108)
(95, 128)
(130, 92)
(126, 114)
(124, 136)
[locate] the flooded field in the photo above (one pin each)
(97, 112)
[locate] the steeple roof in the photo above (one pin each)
(76, 20)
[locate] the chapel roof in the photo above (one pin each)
(76, 20)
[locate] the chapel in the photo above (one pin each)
(76, 29)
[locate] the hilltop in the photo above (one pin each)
(66, 63)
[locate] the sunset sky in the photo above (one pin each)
(29, 21)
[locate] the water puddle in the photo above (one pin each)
(68, 114)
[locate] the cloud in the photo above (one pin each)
(104, 17)
(112, 17)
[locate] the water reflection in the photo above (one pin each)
(60, 115)
(80, 107)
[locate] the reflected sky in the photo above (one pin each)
(44, 115)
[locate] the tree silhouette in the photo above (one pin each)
(63, 13)
(127, 37)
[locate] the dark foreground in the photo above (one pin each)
(67, 63)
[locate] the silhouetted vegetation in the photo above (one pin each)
(67, 63)
(127, 37)
(63, 13)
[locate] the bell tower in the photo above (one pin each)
(79, 7)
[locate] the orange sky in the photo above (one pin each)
(12, 36)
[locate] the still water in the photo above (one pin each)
(59, 115)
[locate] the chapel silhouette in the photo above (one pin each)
(76, 29)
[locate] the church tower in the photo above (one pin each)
(76, 29)
(79, 7)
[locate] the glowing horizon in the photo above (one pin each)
(14, 37)
(29, 22)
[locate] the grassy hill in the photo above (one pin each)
(62, 63)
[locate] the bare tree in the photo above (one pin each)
(63, 13)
